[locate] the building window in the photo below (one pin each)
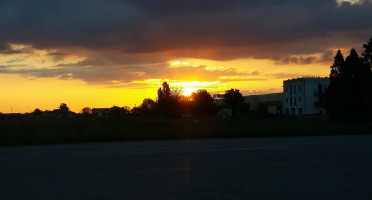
(293, 111)
(299, 99)
(300, 111)
(290, 101)
(295, 89)
(320, 88)
(286, 99)
(295, 101)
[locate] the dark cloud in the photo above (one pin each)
(6, 49)
(244, 79)
(126, 40)
(125, 74)
(297, 60)
(327, 56)
(168, 25)
(41, 72)
(286, 75)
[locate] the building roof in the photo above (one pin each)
(310, 78)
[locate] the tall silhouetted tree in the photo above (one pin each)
(355, 68)
(367, 58)
(336, 92)
(348, 95)
(234, 99)
(360, 83)
(367, 53)
(338, 65)
(202, 103)
(168, 101)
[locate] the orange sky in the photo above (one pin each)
(106, 53)
(25, 92)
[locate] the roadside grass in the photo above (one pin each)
(81, 130)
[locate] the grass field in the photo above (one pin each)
(81, 130)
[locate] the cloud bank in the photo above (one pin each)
(125, 40)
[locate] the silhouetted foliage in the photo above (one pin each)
(86, 111)
(234, 99)
(367, 53)
(117, 111)
(168, 101)
(148, 104)
(81, 130)
(367, 56)
(338, 66)
(186, 105)
(349, 92)
(202, 103)
(37, 112)
(64, 108)
(146, 108)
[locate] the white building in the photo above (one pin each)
(304, 96)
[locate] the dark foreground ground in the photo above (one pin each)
(36, 131)
(323, 167)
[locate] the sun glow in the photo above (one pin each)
(175, 63)
(178, 63)
(189, 87)
(188, 91)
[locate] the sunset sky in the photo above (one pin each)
(117, 52)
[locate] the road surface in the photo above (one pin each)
(328, 167)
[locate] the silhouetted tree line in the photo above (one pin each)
(171, 103)
(62, 111)
(349, 95)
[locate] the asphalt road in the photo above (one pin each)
(329, 167)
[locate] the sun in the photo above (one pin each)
(188, 87)
(188, 91)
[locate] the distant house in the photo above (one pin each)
(218, 99)
(57, 113)
(304, 96)
(11, 116)
(272, 102)
(218, 96)
(100, 112)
